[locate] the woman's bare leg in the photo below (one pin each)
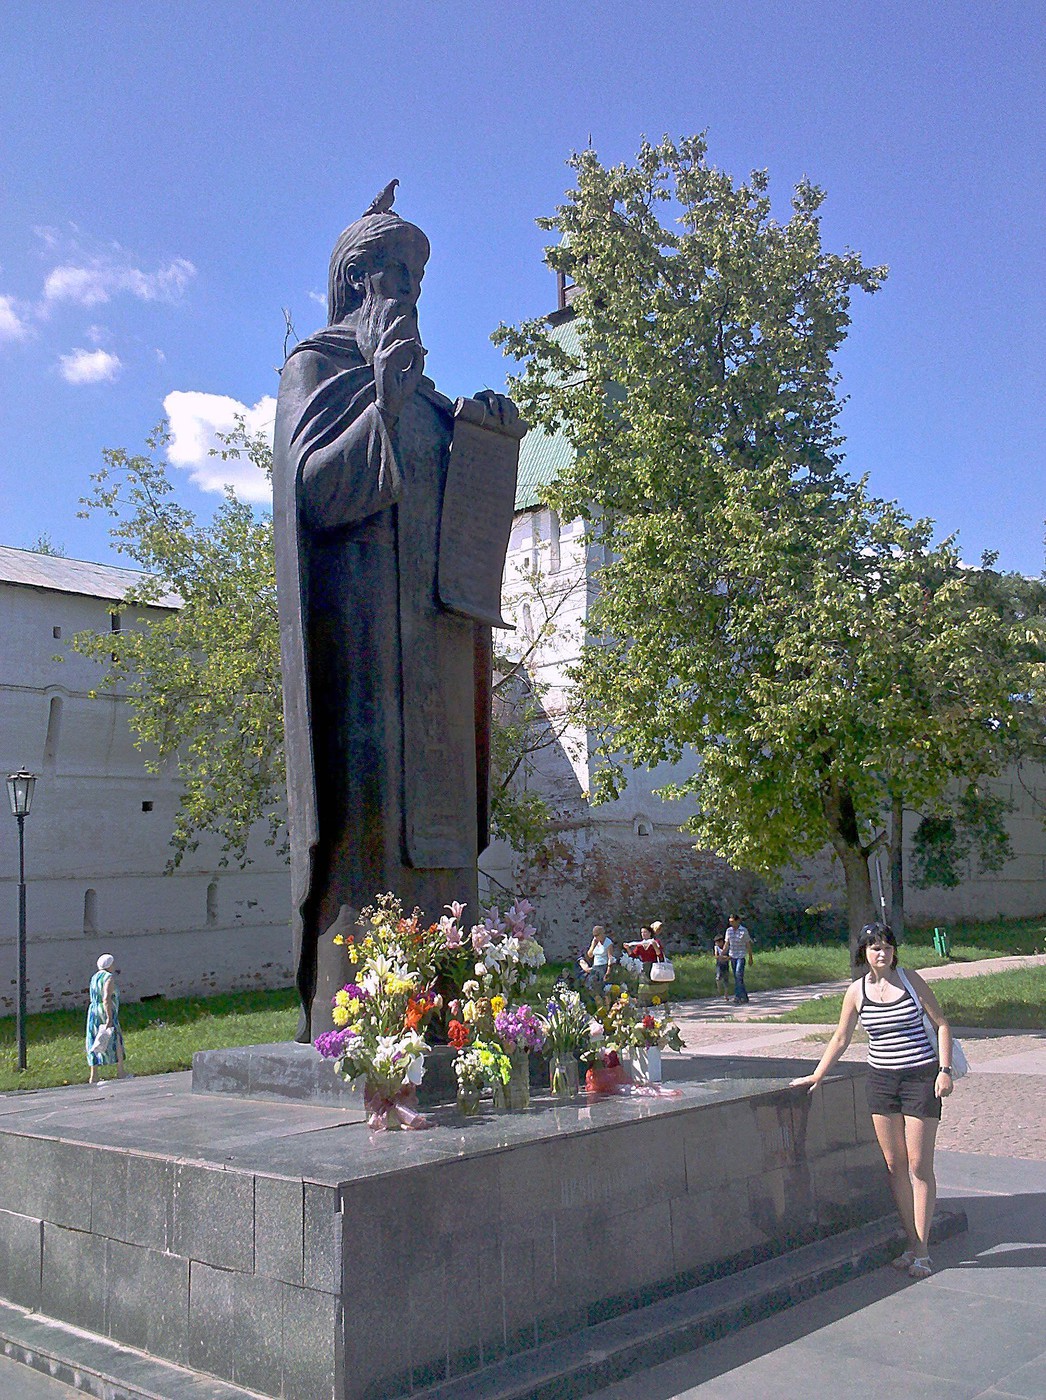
(890, 1134)
(920, 1135)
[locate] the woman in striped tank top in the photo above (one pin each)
(906, 1082)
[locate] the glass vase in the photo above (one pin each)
(563, 1074)
(514, 1096)
(468, 1099)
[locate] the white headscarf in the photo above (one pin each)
(105, 962)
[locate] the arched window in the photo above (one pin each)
(212, 904)
(642, 827)
(90, 913)
(555, 556)
(54, 732)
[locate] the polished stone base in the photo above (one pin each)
(287, 1072)
(284, 1248)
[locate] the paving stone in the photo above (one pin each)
(258, 1327)
(21, 1258)
(147, 1299)
(312, 1344)
(278, 1228)
(323, 1238)
(73, 1281)
(213, 1217)
(132, 1198)
(211, 1337)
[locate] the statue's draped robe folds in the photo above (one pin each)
(386, 694)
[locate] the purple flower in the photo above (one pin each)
(331, 1044)
(355, 992)
(520, 1027)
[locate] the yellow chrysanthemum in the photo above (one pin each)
(341, 998)
(497, 1005)
(657, 1001)
(340, 1016)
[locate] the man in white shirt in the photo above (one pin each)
(739, 948)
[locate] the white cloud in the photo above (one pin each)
(97, 280)
(196, 419)
(12, 327)
(89, 367)
(318, 299)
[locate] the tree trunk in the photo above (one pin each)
(897, 867)
(845, 836)
(860, 908)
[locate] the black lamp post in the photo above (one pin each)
(20, 787)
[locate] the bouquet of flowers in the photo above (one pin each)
(656, 1029)
(507, 953)
(481, 1065)
(616, 1019)
(380, 1015)
(566, 1022)
(519, 1029)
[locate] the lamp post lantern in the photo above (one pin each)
(20, 788)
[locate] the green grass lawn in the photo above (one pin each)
(158, 1035)
(162, 1035)
(997, 1001)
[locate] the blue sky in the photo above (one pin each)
(172, 176)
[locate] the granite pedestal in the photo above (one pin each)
(283, 1247)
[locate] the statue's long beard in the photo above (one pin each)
(377, 314)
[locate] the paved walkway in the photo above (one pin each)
(976, 1330)
(779, 1000)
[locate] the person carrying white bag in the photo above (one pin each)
(104, 1038)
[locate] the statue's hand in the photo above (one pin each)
(399, 363)
(499, 406)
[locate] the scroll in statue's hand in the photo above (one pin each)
(499, 406)
(399, 363)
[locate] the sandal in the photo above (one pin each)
(920, 1268)
(904, 1261)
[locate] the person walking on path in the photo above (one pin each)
(722, 965)
(739, 950)
(103, 1014)
(907, 1080)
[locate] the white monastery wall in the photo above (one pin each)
(97, 837)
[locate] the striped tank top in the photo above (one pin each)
(897, 1038)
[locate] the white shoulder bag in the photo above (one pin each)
(960, 1064)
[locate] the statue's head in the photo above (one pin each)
(381, 255)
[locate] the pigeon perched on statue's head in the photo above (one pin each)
(382, 202)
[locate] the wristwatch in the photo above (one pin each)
(946, 1069)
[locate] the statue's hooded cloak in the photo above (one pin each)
(386, 694)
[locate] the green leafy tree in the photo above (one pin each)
(757, 606)
(202, 680)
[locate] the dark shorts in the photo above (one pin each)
(907, 1091)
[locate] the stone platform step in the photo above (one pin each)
(101, 1368)
(596, 1357)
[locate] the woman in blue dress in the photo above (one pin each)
(103, 1010)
